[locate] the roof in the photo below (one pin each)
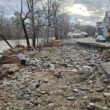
(107, 15)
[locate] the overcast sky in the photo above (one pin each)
(85, 11)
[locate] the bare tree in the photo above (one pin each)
(42, 18)
(31, 9)
(63, 25)
(23, 24)
(48, 18)
(55, 9)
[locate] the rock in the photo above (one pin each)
(101, 89)
(108, 87)
(42, 92)
(85, 97)
(106, 53)
(58, 75)
(101, 108)
(104, 108)
(64, 65)
(88, 68)
(35, 103)
(75, 90)
(106, 68)
(85, 70)
(10, 68)
(106, 81)
(91, 91)
(96, 99)
(1, 82)
(74, 70)
(31, 62)
(88, 58)
(51, 105)
(34, 84)
(107, 94)
(46, 65)
(91, 106)
(22, 58)
(85, 88)
(1, 72)
(71, 98)
(45, 80)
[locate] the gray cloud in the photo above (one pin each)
(96, 8)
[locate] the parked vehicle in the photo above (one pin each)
(101, 38)
(84, 34)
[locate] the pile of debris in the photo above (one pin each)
(12, 59)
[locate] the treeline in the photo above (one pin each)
(36, 19)
(90, 29)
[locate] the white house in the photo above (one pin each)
(104, 26)
(77, 34)
(74, 34)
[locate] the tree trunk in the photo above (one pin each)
(24, 26)
(55, 27)
(33, 25)
(56, 34)
(6, 41)
(26, 34)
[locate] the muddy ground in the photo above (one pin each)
(68, 77)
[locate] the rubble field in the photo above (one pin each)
(67, 77)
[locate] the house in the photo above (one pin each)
(104, 26)
(77, 34)
(74, 34)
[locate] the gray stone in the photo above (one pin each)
(96, 99)
(107, 94)
(106, 68)
(101, 89)
(35, 103)
(85, 70)
(108, 87)
(45, 80)
(22, 58)
(91, 106)
(34, 84)
(75, 90)
(1, 82)
(46, 65)
(106, 81)
(52, 105)
(64, 65)
(71, 98)
(31, 62)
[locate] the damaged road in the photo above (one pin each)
(57, 78)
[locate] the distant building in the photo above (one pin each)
(74, 34)
(77, 34)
